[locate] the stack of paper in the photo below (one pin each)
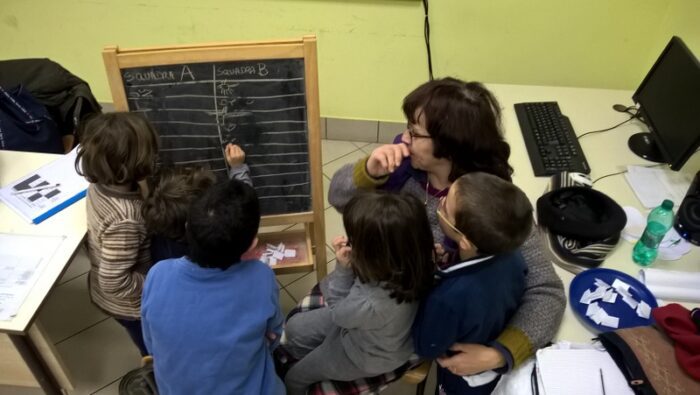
(652, 186)
(672, 285)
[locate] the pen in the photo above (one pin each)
(602, 383)
(21, 191)
(533, 381)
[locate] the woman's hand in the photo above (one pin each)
(386, 158)
(472, 359)
(342, 250)
(234, 155)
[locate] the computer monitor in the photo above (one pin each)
(669, 100)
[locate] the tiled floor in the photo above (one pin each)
(97, 351)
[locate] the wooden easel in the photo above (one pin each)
(313, 234)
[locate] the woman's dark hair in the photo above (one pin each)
(172, 191)
(116, 148)
(222, 224)
(391, 243)
(464, 122)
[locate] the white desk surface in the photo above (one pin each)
(70, 222)
(588, 109)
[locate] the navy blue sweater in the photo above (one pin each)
(472, 303)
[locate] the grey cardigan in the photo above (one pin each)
(375, 331)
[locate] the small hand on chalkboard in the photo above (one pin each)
(342, 249)
(234, 155)
(385, 159)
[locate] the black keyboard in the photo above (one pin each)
(550, 140)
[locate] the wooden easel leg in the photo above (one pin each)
(319, 248)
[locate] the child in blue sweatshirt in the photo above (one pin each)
(488, 218)
(207, 316)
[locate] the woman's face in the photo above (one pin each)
(420, 144)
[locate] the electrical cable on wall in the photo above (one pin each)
(426, 33)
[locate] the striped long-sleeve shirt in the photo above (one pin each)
(118, 248)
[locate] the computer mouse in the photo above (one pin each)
(581, 178)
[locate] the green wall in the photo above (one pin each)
(371, 53)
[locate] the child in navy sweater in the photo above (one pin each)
(488, 218)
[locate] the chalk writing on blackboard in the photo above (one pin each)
(198, 108)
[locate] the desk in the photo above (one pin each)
(27, 357)
(588, 109)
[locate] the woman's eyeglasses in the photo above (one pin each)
(441, 212)
(414, 135)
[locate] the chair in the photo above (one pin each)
(418, 376)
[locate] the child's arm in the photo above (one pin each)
(336, 285)
(434, 329)
(274, 323)
(122, 243)
(145, 327)
(238, 169)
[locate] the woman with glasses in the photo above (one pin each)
(454, 128)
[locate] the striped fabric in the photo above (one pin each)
(118, 248)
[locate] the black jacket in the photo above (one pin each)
(67, 97)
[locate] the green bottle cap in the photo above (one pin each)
(667, 204)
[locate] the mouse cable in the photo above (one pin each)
(610, 128)
(622, 172)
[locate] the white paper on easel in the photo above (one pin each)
(22, 259)
(652, 186)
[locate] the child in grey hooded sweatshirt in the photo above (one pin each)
(384, 268)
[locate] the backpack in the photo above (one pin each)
(25, 124)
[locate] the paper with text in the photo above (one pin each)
(45, 191)
(22, 259)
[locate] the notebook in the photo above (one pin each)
(46, 191)
(579, 372)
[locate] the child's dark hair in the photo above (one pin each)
(116, 148)
(222, 224)
(391, 242)
(171, 193)
(464, 122)
(494, 214)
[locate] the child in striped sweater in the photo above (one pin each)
(117, 152)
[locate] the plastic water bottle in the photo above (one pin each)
(659, 222)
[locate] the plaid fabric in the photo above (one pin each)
(365, 386)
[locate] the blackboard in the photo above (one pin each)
(261, 95)
(198, 108)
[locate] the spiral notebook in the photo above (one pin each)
(579, 372)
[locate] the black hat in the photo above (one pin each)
(580, 212)
(581, 225)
